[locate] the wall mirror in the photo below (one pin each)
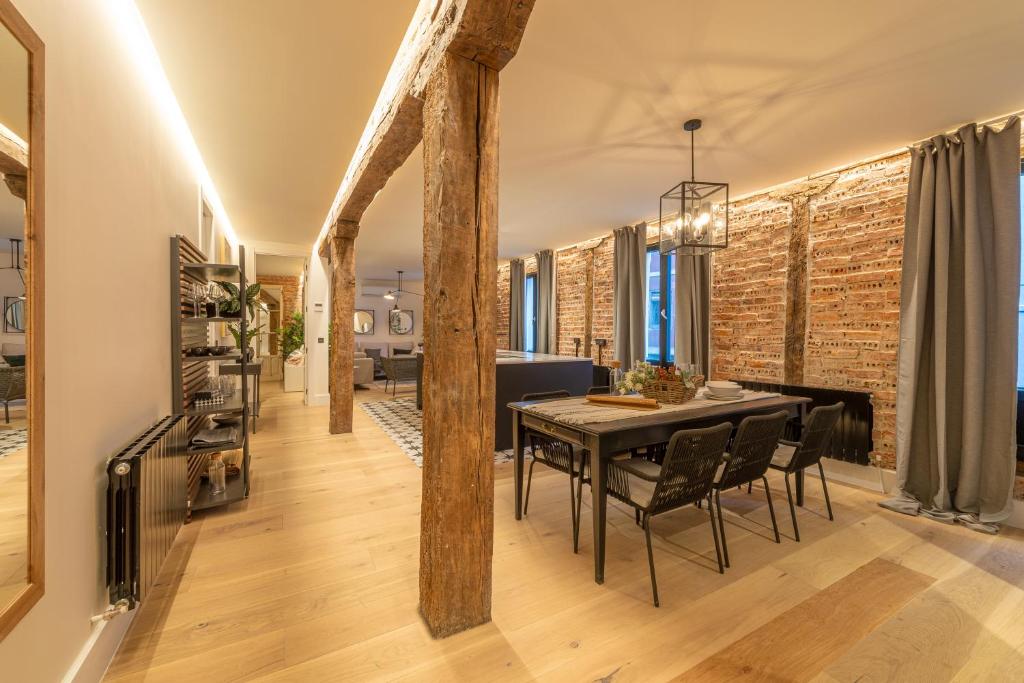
(363, 321)
(21, 345)
(14, 314)
(400, 321)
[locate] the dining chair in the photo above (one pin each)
(747, 461)
(794, 456)
(685, 477)
(562, 456)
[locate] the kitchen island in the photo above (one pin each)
(521, 372)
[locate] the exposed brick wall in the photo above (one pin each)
(748, 295)
(502, 328)
(290, 293)
(854, 262)
(854, 273)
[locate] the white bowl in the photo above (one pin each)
(720, 385)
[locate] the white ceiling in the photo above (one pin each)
(592, 106)
(279, 265)
(276, 93)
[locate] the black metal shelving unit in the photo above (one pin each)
(189, 266)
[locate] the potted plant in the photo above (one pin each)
(236, 331)
(292, 335)
(232, 306)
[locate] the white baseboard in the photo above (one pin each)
(884, 481)
(99, 650)
(318, 399)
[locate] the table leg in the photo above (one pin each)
(599, 493)
(800, 474)
(518, 437)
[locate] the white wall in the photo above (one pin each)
(381, 306)
(119, 183)
(316, 300)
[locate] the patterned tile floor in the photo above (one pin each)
(12, 440)
(403, 423)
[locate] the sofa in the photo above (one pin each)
(362, 369)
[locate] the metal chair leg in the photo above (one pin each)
(824, 487)
(650, 558)
(572, 512)
(714, 532)
(529, 480)
(637, 511)
(579, 507)
(721, 527)
(792, 508)
(771, 509)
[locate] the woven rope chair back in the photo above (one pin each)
(691, 460)
(752, 448)
(558, 453)
(816, 436)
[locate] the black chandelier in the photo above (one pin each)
(17, 259)
(694, 215)
(397, 293)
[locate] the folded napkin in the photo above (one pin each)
(214, 437)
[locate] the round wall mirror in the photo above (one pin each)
(400, 322)
(363, 321)
(14, 314)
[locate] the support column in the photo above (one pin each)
(343, 304)
(796, 274)
(460, 163)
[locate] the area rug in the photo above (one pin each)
(12, 440)
(403, 424)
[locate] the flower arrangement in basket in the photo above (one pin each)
(665, 385)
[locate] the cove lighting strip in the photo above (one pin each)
(127, 21)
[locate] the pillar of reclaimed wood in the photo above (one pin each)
(343, 303)
(460, 227)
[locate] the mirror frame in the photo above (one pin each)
(373, 320)
(13, 611)
(393, 329)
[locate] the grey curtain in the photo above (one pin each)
(630, 248)
(956, 393)
(517, 285)
(546, 342)
(692, 314)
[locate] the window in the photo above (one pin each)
(530, 314)
(659, 333)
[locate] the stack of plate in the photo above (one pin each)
(723, 391)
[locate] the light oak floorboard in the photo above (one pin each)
(314, 578)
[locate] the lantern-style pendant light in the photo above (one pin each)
(694, 214)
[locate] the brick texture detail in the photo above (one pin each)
(290, 293)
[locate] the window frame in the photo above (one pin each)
(665, 312)
(530, 312)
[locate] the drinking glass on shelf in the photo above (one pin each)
(192, 294)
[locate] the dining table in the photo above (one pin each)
(612, 431)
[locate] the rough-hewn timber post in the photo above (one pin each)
(796, 274)
(343, 303)
(460, 227)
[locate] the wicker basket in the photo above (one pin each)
(665, 391)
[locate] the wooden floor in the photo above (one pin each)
(314, 578)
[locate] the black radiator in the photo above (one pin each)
(852, 438)
(146, 505)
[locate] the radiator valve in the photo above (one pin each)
(117, 609)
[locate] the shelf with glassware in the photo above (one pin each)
(206, 297)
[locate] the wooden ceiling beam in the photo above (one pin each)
(485, 31)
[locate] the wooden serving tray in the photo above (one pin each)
(634, 402)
